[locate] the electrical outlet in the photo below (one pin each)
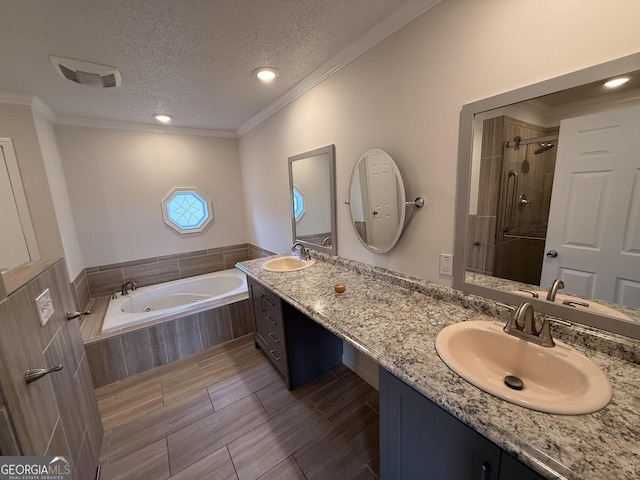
(446, 264)
(44, 305)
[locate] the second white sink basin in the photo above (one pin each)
(555, 380)
(593, 306)
(288, 263)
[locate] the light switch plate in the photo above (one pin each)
(44, 305)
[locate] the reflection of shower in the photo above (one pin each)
(544, 147)
(523, 207)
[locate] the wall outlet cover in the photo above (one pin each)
(446, 264)
(44, 305)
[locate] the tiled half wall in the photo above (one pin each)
(104, 279)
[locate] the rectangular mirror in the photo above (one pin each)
(312, 187)
(549, 188)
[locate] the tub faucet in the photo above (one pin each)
(304, 253)
(555, 286)
(126, 285)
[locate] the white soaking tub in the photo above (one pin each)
(180, 297)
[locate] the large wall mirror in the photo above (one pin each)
(313, 199)
(549, 188)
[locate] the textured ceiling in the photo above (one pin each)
(192, 58)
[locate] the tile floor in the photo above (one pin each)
(226, 414)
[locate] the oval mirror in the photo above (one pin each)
(376, 201)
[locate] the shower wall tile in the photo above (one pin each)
(152, 273)
(215, 327)
(144, 349)
(200, 265)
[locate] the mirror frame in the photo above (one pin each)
(465, 143)
(331, 151)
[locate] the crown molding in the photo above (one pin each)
(142, 127)
(16, 98)
(374, 36)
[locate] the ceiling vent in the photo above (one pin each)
(86, 73)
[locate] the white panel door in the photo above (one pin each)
(383, 213)
(594, 221)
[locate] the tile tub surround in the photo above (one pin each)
(104, 279)
(117, 355)
(394, 319)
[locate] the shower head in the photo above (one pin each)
(544, 147)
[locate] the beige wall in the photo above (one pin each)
(117, 179)
(17, 123)
(405, 96)
(59, 193)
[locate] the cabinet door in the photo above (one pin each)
(261, 328)
(512, 469)
(420, 440)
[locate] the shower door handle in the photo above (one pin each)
(514, 174)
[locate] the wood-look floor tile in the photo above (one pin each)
(248, 356)
(150, 462)
(343, 451)
(337, 401)
(196, 441)
(260, 450)
(285, 470)
(276, 398)
(158, 424)
(198, 377)
(216, 466)
(245, 383)
(123, 406)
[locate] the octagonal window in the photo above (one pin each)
(298, 203)
(187, 210)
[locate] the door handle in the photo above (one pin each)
(33, 374)
(552, 254)
(72, 315)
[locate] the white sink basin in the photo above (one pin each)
(594, 307)
(289, 263)
(555, 380)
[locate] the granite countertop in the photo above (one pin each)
(394, 319)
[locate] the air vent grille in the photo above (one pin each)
(86, 73)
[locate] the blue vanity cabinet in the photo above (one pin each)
(268, 331)
(300, 348)
(419, 440)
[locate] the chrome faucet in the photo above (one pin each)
(555, 286)
(126, 285)
(304, 253)
(522, 325)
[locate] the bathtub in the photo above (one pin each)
(180, 297)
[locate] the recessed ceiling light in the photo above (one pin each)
(266, 74)
(616, 82)
(162, 117)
